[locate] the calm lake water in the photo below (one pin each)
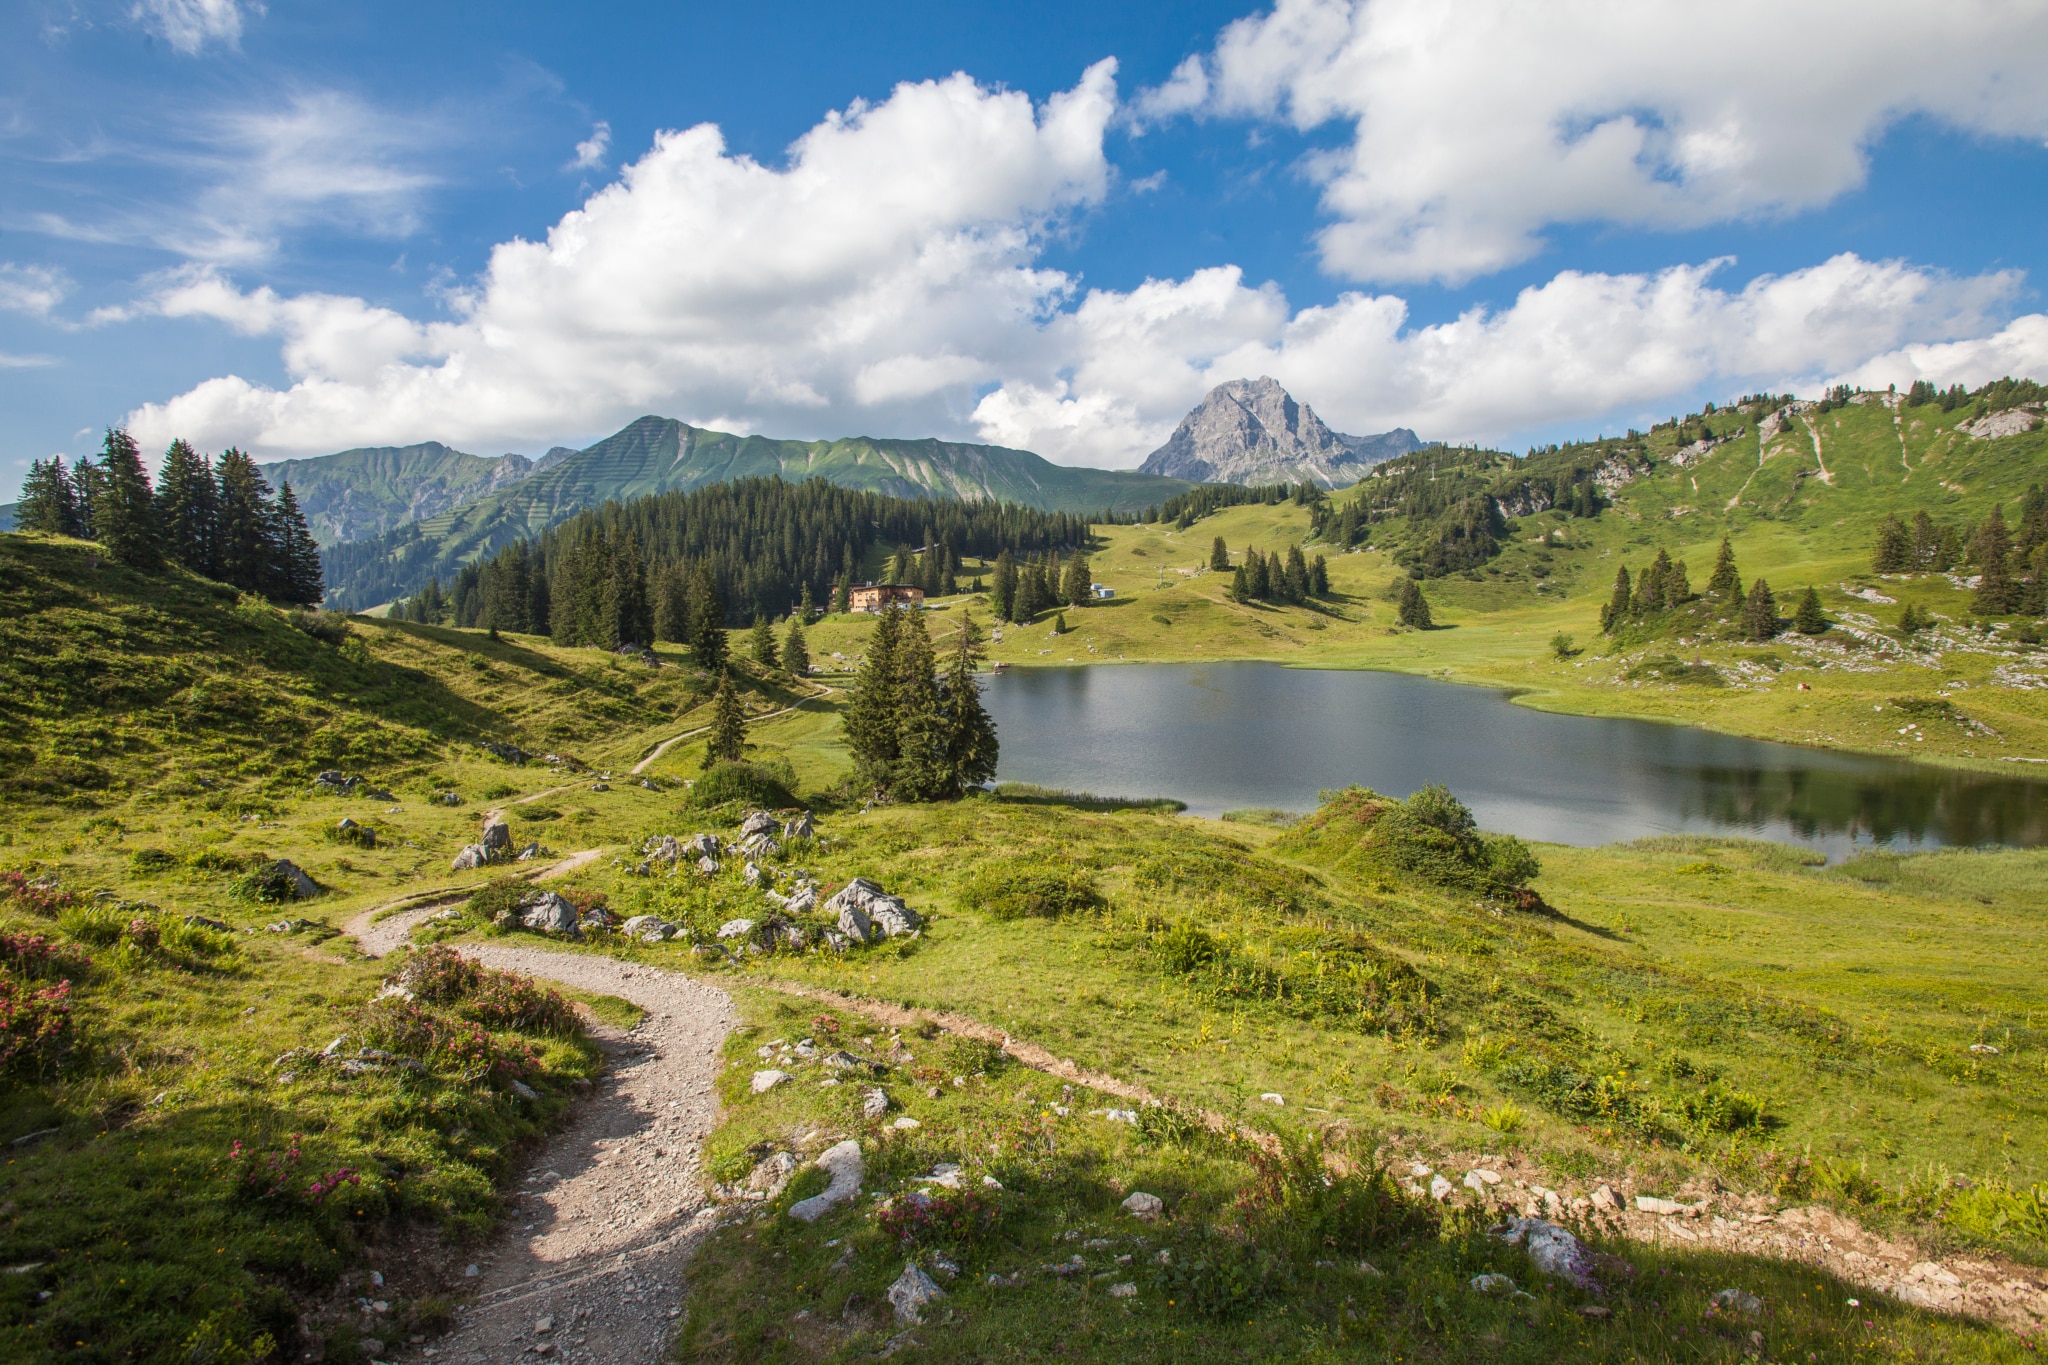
(1226, 736)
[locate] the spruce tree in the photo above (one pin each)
(796, 651)
(967, 735)
(728, 741)
(299, 579)
(1003, 587)
(1219, 555)
(1297, 577)
(1893, 552)
(761, 643)
(1615, 612)
(49, 502)
(1075, 585)
(88, 484)
(842, 595)
(1726, 584)
(124, 514)
(242, 544)
(870, 718)
(1240, 585)
(1319, 577)
(1991, 547)
(1810, 619)
(1413, 608)
(806, 608)
(1760, 612)
(1649, 596)
(707, 620)
(187, 508)
(628, 616)
(1677, 586)
(919, 771)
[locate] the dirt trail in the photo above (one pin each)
(644, 764)
(599, 1232)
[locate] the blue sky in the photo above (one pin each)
(296, 227)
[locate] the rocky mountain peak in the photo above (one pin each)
(1252, 431)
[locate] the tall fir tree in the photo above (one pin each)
(728, 741)
(796, 651)
(1893, 552)
(1219, 555)
(188, 508)
(124, 513)
(49, 500)
(870, 719)
(1725, 583)
(1076, 581)
(707, 619)
(1615, 613)
(842, 595)
(968, 734)
(1002, 593)
(918, 772)
(1412, 608)
(1760, 612)
(298, 555)
(1319, 577)
(761, 643)
(672, 604)
(1810, 618)
(242, 537)
(1991, 547)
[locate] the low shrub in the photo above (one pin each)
(35, 1023)
(439, 975)
(504, 1000)
(1719, 1109)
(328, 627)
(38, 896)
(35, 956)
(149, 861)
(502, 896)
(1295, 1196)
(962, 1218)
(265, 884)
(768, 785)
(1016, 889)
(1220, 1278)
(1430, 835)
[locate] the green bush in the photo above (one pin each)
(1016, 889)
(268, 884)
(502, 896)
(768, 785)
(148, 861)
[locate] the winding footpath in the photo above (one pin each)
(589, 1262)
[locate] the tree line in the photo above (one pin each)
(216, 518)
(1665, 585)
(2011, 561)
(676, 566)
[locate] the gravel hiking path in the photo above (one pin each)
(644, 764)
(612, 1206)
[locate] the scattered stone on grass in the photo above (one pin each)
(842, 1162)
(912, 1293)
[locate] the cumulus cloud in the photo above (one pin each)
(189, 25)
(2019, 349)
(886, 278)
(1477, 125)
(590, 152)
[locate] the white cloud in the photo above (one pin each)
(590, 152)
(31, 289)
(1478, 125)
(25, 362)
(887, 265)
(189, 25)
(2020, 349)
(886, 279)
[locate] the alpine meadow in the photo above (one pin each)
(1138, 687)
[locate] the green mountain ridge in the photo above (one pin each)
(363, 493)
(660, 454)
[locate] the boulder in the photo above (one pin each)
(701, 846)
(472, 856)
(837, 941)
(801, 901)
(663, 848)
(1553, 1250)
(529, 853)
(640, 924)
(758, 822)
(302, 886)
(1143, 1205)
(799, 828)
(855, 924)
(597, 917)
(752, 874)
(548, 912)
(376, 794)
(764, 1081)
(912, 1293)
(735, 928)
(884, 912)
(600, 786)
(511, 753)
(1440, 1188)
(873, 1104)
(1737, 1301)
(772, 1173)
(205, 922)
(759, 846)
(843, 1164)
(497, 837)
(1492, 1284)
(708, 866)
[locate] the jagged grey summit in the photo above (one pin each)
(1251, 431)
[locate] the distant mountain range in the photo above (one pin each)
(657, 454)
(359, 494)
(1251, 431)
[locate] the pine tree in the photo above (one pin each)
(1616, 611)
(88, 485)
(1677, 586)
(919, 771)
(728, 742)
(1297, 579)
(870, 719)
(842, 595)
(1649, 597)
(1760, 612)
(1726, 584)
(49, 502)
(1413, 607)
(1810, 619)
(124, 515)
(1074, 587)
(761, 643)
(1912, 620)
(187, 508)
(1991, 547)
(242, 547)
(300, 579)
(1894, 550)
(806, 608)
(1219, 555)
(1319, 577)
(967, 735)
(707, 620)
(1003, 587)
(628, 616)
(796, 651)
(540, 604)
(1240, 585)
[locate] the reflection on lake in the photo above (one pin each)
(1226, 736)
